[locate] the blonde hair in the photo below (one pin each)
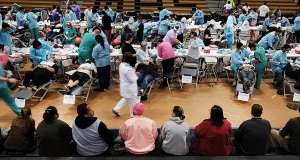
(41, 34)
(70, 24)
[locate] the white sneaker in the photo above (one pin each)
(234, 84)
(22, 87)
(141, 91)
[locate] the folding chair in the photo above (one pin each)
(210, 69)
(191, 67)
(226, 59)
(28, 94)
(172, 75)
(290, 82)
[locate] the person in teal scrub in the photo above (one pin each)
(261, 63)
(86, 46)
(70, 34)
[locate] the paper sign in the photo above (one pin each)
(187, 79)
(243, 96)
(69, 99)
(296, 97)
(20, 102)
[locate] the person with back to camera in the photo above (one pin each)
(86, 46)
(21, 137)
(53, 136)
(288, 137)
(106, 28)
(212, 136)
(139, 132)
(163, 26)
(174, 134)
(5, 35)
(252, 136)
(126, 47)
(128, 85)
(91, 135)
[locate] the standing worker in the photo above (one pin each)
(5, 35)
(199, 15)
(31, 20)
(261, 63)
(86, 46)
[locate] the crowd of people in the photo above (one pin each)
(89, 136)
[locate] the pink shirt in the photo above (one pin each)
(4, 60)
(165, 50)
(139, 134)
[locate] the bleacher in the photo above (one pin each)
(31, 4)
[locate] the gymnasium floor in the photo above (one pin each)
(196, 103)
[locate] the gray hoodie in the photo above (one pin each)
(175, 136)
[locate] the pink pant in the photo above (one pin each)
(108, 35)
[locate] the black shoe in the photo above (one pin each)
(296, 107)
(297, 86)
(290, 106)
(99, 90)
(68, 89)
(116, 113)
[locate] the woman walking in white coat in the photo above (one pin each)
(128, 85)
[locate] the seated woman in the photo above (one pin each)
(57, 30)
(174, 134)
(212, 136)
(82, 73)
(41, 73)
(21, 138)
(146, 73)
(3, 55)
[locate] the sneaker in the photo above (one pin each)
(34, 89)
(116, 113)
(296, 107)
(68, 89)
(22, 87)
(234, 84)
(290, 106)
(141, 91)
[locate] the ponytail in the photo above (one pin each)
(26, 113)
(100, 40)
(179, 112)
(127, 38)
(49, 113)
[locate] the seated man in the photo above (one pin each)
(237, 59)
(279, 60)
(146, 73)
(143, 54)
(194, 37)
(57, 30)
(139, 132)
(43, 72)
(288, 138)
(82, 73)
(294, 73)
(251, 140)
(90, 134)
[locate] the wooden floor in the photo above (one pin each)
(195, 101)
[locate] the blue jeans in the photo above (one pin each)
(246, 75)
(51, 34)
(6, 96)
(261, 19)
(145, 79)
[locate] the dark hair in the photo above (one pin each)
(88, 61)
(210, 26)
(286, 46)
(36, 44)
(59, 11)
(21, 9)
(25, 113)
(100, 40)
(74, 2)
(82, 109)
(164, 7)
(178, 112)
(104, 13)
(216, 116)
(94, 10)
(279, 30)
(58, 7)
(222, 23)
(265, 3)
(246, 4)
(89, 6)
(2, 47)
(126, 27)
(194, 34)
(239, 45)
(252, 45)
(49, 113)
(4, 25)
(254, 9)
(228, 2)
(105, 7)
(128, 36)
(166, 16)
(160, 40)
(127, 57)
(244, 12)
(95, 28)
(256, 110)
(140, 18)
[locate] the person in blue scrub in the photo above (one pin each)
(199, 15)
(109, 12)
(194, 37)
(237, 59)
(284, 21)
(92, 19)
(231, 19)
(265, 28)
(163, 26)
(261, 63)
(296, 27)
(139, 31)
(228, 32)
(39, 52)
(271, 38)
(62, 18)
(5, 35)
(32, 24)
(71, 15)
(242, 17)
(20, 17)
(279, 60)
(147, 27)
(253, 14)
(164, 13)
(70, 34)
(5, 93)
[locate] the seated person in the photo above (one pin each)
(278, 62)
(146, 73)
(195, 38)
(21, 138)
(139, 132)
(294, 73)
(288, 138)
(143, 54)
(212, 136)
(39, 52)
(57, 30)
(247, 76)
(251, 140)
(3, 56)
(43, 72)
(82, 73)
(237, 59)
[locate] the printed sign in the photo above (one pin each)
(20, 102)
(69, 99)
(187, 79)
(243, 96)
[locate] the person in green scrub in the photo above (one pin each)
(70, 34)
(86, 46)
(261, 63)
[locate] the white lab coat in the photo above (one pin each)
(128, 81)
